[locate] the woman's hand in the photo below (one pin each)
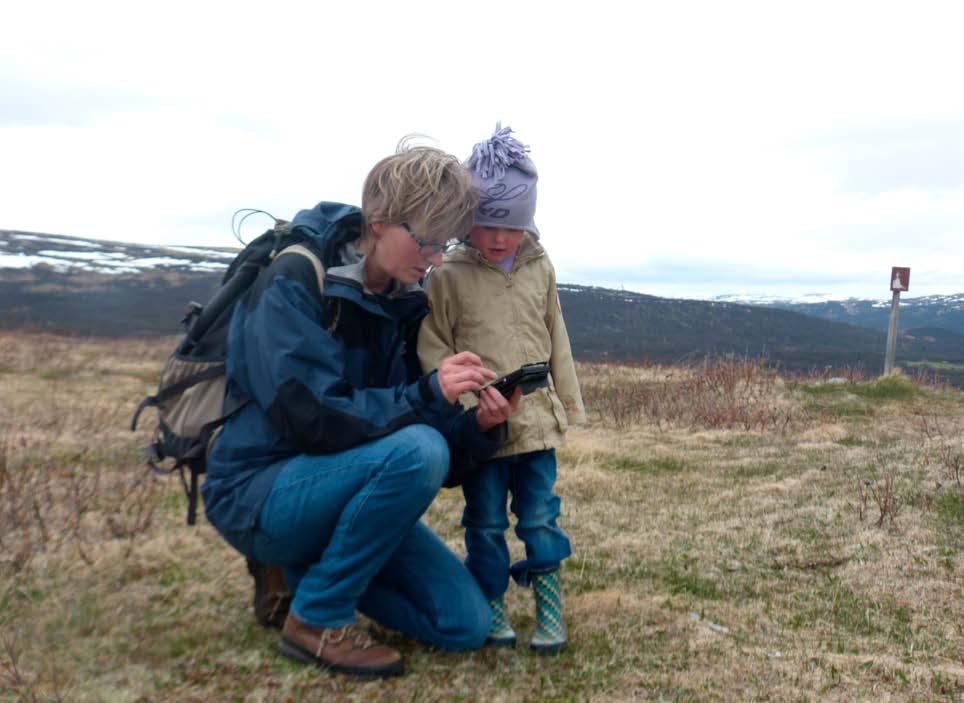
(462, 373)
(494, 409)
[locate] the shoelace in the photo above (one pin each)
(336, 635)
(281, 601)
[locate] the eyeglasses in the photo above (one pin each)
(429, 250)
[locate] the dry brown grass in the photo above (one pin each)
(728, 392)
(712, 560)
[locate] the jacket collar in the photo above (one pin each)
(529, 250)
(348, 282)
(329, 227)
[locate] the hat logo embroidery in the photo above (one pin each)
(500, 193)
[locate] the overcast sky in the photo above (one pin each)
(684, 149)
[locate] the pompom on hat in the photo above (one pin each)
(506, 179)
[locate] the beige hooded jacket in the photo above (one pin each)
(508, 319)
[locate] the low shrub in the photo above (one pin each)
(720, 393)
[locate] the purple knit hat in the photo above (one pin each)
(506, 179)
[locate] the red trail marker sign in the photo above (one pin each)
(899, 278)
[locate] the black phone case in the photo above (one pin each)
(528, 377)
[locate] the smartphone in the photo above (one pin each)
(528, 377)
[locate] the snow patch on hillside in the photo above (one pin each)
(24, 250)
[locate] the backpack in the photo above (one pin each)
(191, 399)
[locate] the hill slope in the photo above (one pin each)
(98, 288)
(618, 325)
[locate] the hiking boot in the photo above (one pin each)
(550, 634)
(271, 596)
(501, 633)
(344, 650)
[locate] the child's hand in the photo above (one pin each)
(462, 373)
(494, 409)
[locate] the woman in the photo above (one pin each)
(344, 443)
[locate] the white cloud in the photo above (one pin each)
(783, 141)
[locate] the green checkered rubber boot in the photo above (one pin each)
(501, 633)
(550, 634)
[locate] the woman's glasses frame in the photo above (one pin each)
(428, 250)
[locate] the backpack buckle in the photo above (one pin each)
(191, 312)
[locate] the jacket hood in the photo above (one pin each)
(331, 228)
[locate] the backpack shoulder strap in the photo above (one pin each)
(311, 256)
(319, 272)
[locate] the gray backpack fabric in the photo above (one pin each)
(191, 399)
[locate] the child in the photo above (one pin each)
(496, 295)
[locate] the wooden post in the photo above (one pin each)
(892, 334)
(899, 280)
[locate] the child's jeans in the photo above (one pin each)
(530, 478)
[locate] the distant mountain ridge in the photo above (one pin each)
(932, 311)
(83, 286)
(617, 324)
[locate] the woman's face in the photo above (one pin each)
(396, 255)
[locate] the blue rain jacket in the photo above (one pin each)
(324, 371)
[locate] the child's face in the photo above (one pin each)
(496, 243)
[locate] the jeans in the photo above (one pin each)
(346, 529)
(530, 478)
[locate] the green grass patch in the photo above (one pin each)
(845, 408)
(822, 389)
(17, 597)
(691, 583)
(949, 509)
(755, 470)
(172, 501)
(893, 387)
(844, 609)
(682, 576)
(587, 574)
(935, 365)
(852, 442)
(56, 374)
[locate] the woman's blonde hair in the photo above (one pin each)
(422, 186)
